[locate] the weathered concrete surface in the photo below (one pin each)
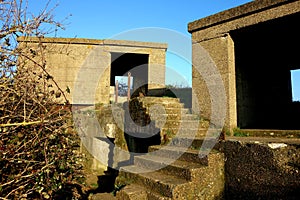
(111, 120)
(102, 196)
(95, 128)
(252, 13)
(262, 168)
(84, 65)
(184, 94)
(183, 179)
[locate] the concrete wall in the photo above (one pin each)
(83, 65)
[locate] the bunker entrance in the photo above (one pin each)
(265, 55)
(136, 64)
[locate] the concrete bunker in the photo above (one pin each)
(88, 66)
(254, 47)
(265, 54)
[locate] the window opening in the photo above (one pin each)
(295, 76)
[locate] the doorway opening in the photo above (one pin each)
(264, 56)
(135, 64)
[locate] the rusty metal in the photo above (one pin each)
(116, 91)
(129, 85)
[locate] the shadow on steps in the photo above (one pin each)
(106, 182)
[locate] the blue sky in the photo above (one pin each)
(296, 84)
(104, 19)
(124, 19)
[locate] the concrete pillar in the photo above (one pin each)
(221, 52)
(157, 70)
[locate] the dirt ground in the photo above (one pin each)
(99, 180)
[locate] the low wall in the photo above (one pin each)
(97, 128)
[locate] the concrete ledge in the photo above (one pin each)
(233, 13)
(291, 134)
(265, 140)
(136, 44)
(94, 42)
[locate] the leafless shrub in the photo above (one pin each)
(38, 157)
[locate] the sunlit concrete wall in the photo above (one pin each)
(84, 65)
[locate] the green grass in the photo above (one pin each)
(239, 133)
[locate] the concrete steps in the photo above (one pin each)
(170, 116)
(175, 170)
(197, 143)
(174, 116)
(154, 181)
(185, 169)
(155, 100)
(167, 109)
(178, 153)
(187, 132)
(163, 176)
(133, 192)
(137, 192)
(168, 102)
(177, 123)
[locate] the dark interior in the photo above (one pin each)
(265, 54)
(136, 64)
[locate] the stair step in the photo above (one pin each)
(137, 192)
(175, 117)
(167, 134)
(179, 153)
(178, 123)
(155, 181)
(189, 117)
(147, 130)
(158, 99)
(156, 196)
(187, 170)
(164, 104)
(187, 132)
(166, 110)
(132, 192)
(177, 110)
(197, 142)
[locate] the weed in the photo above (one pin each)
(118, 188)
(239, 133)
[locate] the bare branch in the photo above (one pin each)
(35, 149)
